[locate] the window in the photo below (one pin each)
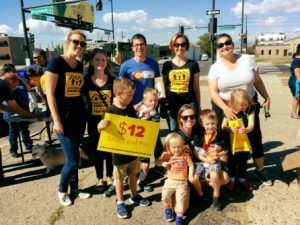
(4, 56)
(3, 43)
(270, 52)
(262, 52)
(277, 52)
(285, 52)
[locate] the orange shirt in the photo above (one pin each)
(178, 169)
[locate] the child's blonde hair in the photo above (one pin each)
(237, 96)
(121, 84)
(173, 138)
(150, 92)
(207, 113)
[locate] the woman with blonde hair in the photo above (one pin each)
(64, 81)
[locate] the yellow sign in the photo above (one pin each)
(239, 142)
(83, 9)
(129, 136)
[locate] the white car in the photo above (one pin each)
(204, 57)
(163, 59)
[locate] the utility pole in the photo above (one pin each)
(25, 29)
(212, 35)
(242, 28)
(112, 27)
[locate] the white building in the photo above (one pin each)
(271, 39)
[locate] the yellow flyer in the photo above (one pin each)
(129, 136)
(239, 142)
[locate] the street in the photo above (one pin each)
(27, 196)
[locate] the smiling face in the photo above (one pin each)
(225, 46)
(188, 118)
(139, 47)
(99, 61)
(180, 46)
(76, 44)
(209, 125)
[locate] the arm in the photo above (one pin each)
(260, 87)
(197, 88)
(19, 110)
(102, 125)
(297, 73)
(250, 126)
(214, 93)
(191, 172)
(51, 83)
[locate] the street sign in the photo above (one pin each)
(39, 17)
(213, 12)
(228, 27)
(42, 10)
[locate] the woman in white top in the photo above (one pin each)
(232, 71)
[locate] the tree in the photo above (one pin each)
(204, 43)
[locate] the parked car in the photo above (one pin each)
(163, 59)
(204, 57)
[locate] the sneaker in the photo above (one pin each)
(145, 187)
(247, 186)
(169, 214)
(122, 211)
(139, 200)
(14, 154)
(262, 177)
(179, 220)
(78, 193)
(64, 199)
(217, 204)
(230, 185)
(110, 191)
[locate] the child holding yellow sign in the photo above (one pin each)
(243, 108)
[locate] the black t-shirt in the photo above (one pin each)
(119, 159)
(245, 114)
(69, 84)
(95, 103)
(179, 83)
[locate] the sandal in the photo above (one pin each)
(100, 185)
(109, 181)
(295, 116)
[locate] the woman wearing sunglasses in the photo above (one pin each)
(181, 78)
(64, 81)
(232, 71)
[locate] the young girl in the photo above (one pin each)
(243, 108)
(98, 90)
(180, 169)
(212, 152)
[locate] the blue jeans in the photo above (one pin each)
(74, 126)
(14, 129)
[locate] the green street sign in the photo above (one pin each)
(39, 17)
(228, 27)
(42, 10)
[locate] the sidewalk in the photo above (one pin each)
(27, 196)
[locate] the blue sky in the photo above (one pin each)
(158, 20)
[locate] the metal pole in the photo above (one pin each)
(246, 34)
(112, 27)
(25, 32)
(212, 35)
(242, 28)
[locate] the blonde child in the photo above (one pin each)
(243, 108)
(147, 110)
(213, 154)
(124, 165)
(180, 168)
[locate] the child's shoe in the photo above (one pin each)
(139, 200)
(169, 214)
(64, 199)
(217, 204)
(80, 194)
(247, 186)
(121, 210)
(110, 191)
(179, 220)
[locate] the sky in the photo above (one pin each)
(158, 20)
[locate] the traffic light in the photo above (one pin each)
(99, 5)
(181, 29)
(79, 20)
(244, 39)
(31, 37)
(212, 25)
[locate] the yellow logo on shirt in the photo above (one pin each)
(74, 82)
(98, 106)
(179, 80)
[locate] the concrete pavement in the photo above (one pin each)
(27, 196)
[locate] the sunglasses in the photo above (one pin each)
(182, 45)
(81, 43)
(36, 57)
(227, 43)
(185, 118)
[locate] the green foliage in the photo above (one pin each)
(204, 43)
